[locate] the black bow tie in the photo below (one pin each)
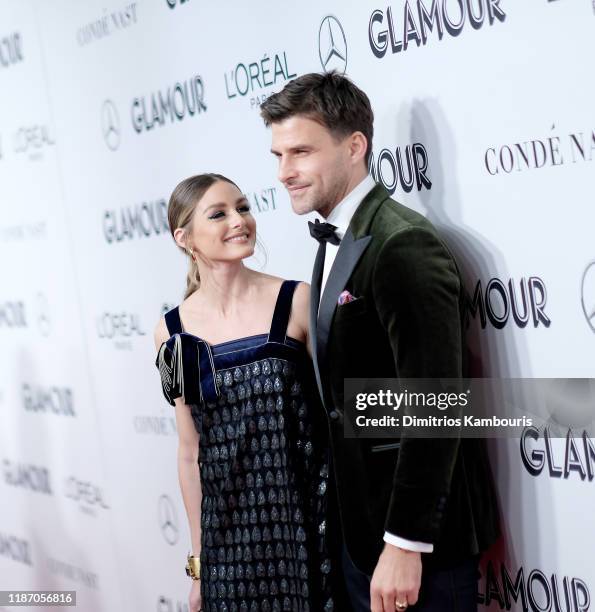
(323, 232)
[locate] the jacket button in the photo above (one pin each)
(333, 415)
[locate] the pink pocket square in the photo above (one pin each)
(345, 297)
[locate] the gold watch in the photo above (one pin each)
(193, 567)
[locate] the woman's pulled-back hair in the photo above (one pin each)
(180, 211)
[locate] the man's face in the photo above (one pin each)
(313, 165)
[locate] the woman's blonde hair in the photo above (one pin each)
(180, 210)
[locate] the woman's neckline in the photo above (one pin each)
(267, 333)
(235, 340)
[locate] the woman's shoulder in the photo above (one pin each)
(273, 281)
(161, 333)
(301, 297)
(266, 279)
(301, 293)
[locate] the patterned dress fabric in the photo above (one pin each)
(264, 465)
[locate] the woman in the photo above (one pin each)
(233, 360)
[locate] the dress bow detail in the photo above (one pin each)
(174, 361)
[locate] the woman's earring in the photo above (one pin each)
(191, 253)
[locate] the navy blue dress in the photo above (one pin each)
(263, 457)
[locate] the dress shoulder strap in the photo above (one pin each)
(173, 321)
(282, 312)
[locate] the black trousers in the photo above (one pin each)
(448, 590)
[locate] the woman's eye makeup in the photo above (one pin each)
(219, 214)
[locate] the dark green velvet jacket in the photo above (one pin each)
(405, 323)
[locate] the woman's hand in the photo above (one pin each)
(194, 599)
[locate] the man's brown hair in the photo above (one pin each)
(330, 99)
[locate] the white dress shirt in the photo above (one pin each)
(341, 216)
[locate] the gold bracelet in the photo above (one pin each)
(193, 567)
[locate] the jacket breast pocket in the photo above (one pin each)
(351, 309)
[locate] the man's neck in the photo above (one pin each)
(354, 181)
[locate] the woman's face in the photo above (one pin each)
(223, 229)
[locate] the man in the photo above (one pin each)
(385, 303)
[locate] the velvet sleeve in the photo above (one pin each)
(416, 292)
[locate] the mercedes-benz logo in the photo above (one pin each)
(110, 125)
(332, 45)
(43, 314)
(168, 521)
(588, 294)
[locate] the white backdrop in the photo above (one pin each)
(484, 122)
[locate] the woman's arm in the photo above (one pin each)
(300, 313)
(188, 470)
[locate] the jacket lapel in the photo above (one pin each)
(352, 247)
(349, 253)
(314, 301)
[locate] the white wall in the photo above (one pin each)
(90, 498)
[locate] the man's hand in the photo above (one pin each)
(397, 578)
